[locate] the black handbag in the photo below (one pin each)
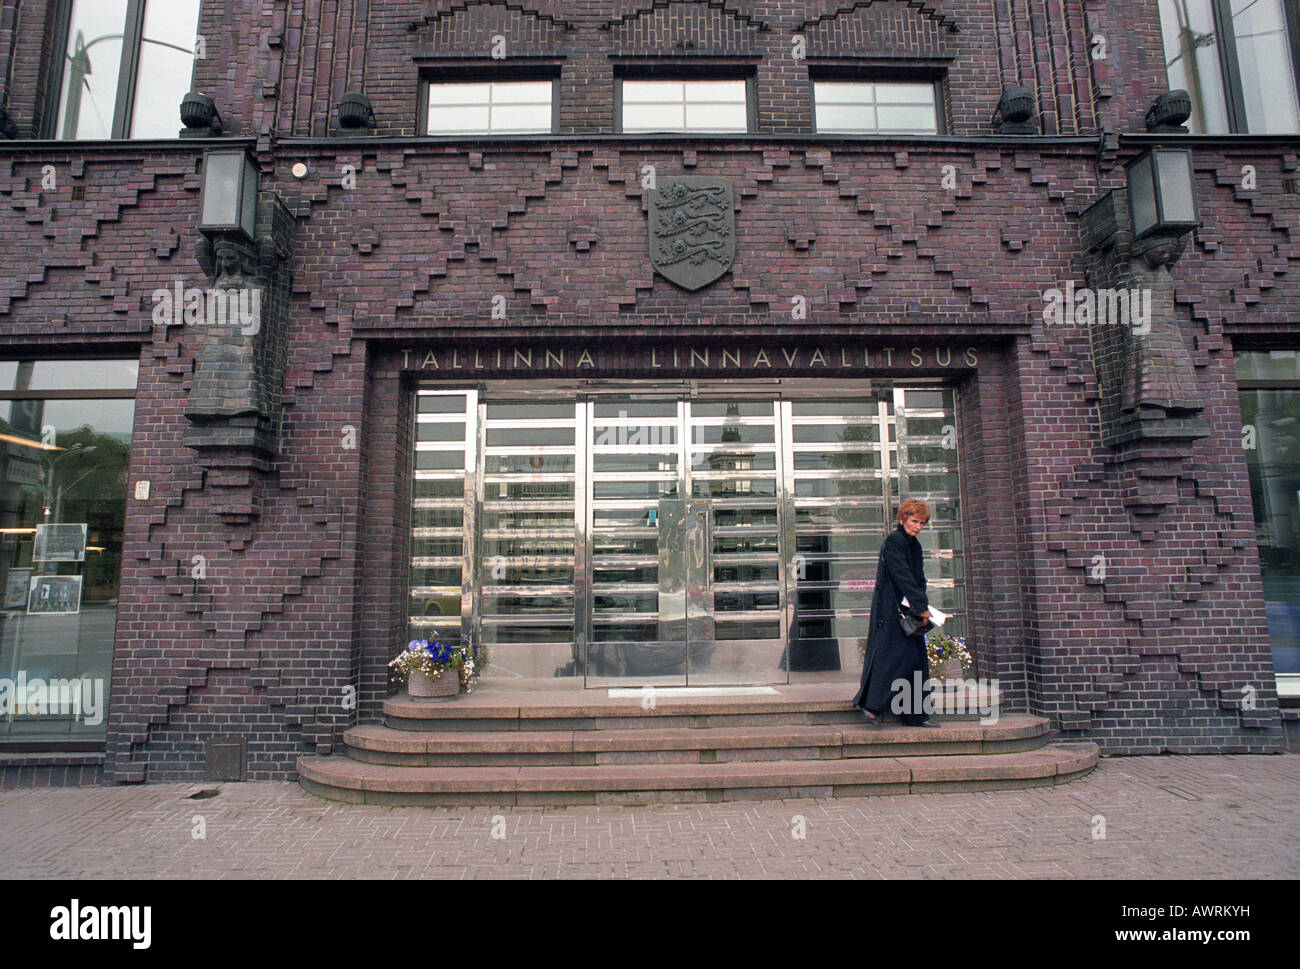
(912, 623)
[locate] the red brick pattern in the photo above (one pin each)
(304, 596)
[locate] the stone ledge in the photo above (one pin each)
(559, 710)
(852, 739)
(376, 783)
(488, 702)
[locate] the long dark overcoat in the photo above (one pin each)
(892, 656)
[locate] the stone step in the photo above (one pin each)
(793, 706)
(345, 779)
(373, 743)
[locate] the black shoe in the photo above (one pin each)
(928, 723)
(872, 720)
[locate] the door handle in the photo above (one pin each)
(706, 536)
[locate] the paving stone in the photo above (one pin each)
(1244, 822)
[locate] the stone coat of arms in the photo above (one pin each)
(692, 229)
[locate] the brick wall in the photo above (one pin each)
(303, 602)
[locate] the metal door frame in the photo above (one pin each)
(584, 566)
(685, 394)
(584, 394)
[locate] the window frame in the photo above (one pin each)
(1225, 37)
(124, 104)
(59, 743)
(856, 76)
(1287, 684)
(687, 73)
(473, 74)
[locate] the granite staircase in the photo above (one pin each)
(517, 749)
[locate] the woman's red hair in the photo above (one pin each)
(913, 508)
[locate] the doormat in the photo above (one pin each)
(669, 692)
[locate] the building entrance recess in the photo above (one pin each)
(673, 535)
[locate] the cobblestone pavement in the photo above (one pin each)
(1164, 817)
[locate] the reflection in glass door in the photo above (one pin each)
(670, 539)
(852, 461)
(735, 628)
(442, 515)
(635, 627)
(685, 528)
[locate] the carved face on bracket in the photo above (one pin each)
(1161, 251)
(228, 261)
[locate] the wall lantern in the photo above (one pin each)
(200, 116)
(1169, 112)
(355, 111)
(1015, 109)
(229, 199)
(1162, 193)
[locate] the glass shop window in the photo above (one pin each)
(1269, 392)
(65, 446)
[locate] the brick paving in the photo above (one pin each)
(1165, 817)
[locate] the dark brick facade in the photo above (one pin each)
(302, 603)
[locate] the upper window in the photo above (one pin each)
(720, 105)
(126, 66)
(489, 108)
(875, 107)
(1237, 59)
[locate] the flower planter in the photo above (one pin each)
(453, 660)
(952, 670)
(443, 687)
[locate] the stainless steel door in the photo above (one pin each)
(669, 534)
(697, 557)
(634, 621)
(736, 574)
(685, 525)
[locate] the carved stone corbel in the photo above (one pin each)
(235, 403)
(1149, 391)
(1150, 401)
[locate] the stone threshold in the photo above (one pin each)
(340, 778)
(486, 703)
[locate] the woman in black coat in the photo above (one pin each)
(891, 655)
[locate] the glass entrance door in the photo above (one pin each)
(735, 591)
(652, 535)
(633, 623)
(687, 583)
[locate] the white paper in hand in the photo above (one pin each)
(936, 617)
